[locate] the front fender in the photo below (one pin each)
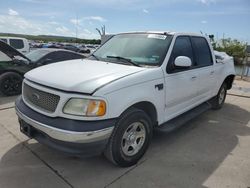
(120, 100)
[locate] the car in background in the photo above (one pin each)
(20, 44)
(83, 49)
(13, 65)
(70, 47)
(52, 45)
(91, 48)
(34, 45)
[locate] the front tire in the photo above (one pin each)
(130, 138)
(219, 99)
(10, 83)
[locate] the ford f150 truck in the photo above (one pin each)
(112, 101)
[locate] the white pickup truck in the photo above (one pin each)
(112, 101)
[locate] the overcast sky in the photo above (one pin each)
(56, 17)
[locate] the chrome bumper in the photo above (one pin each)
(65, 135)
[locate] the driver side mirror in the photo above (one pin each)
(183, 62)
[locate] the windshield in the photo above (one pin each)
(37, 54)
(140, 48)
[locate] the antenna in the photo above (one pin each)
(76, 24)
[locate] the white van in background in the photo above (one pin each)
(21, 44)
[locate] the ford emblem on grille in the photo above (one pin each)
(35, 96)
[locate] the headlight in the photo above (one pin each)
(85, 107)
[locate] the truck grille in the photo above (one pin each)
(40, 99)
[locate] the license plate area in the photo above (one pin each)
(26, 129)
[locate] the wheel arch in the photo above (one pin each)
(229, 81)
(149, 108)
(9, 70)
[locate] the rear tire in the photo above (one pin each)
(130, 138)
(10, 83)
(219, 99)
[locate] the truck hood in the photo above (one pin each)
(84, 76)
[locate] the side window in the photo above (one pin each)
(75, 56)
(49, 58)
(62, 56)
(182, 47)
(17, 43)
(68, 56)
(202, 52)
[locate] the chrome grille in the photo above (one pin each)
(40, 99)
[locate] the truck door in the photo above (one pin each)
(181, 83)
(203, 63)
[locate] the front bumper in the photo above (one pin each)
(71, 136)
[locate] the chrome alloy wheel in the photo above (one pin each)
(133, 138)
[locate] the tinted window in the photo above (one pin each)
(74, 56)
(37, 54)
(202, 52)
(182, 47)
(4, 40)
(62, 56)
(51, 57)
(70, 47)
(16, 43)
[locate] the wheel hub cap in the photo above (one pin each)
(133, 139)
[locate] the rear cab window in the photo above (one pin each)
(203, 56)
(17, 43)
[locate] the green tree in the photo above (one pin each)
(232, 47)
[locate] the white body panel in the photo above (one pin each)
(181, 92)
(221, 70)
(82, 76)
(25, 43)
(136, 88)
(122, 86)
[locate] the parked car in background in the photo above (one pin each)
(83, 49)
(52, 45)
(70, 47)
(21, 44)
(87, 48)
(91, 48)
(52, 55)
(34, 45)
(13, 64)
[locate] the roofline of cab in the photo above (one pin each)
(161, 33)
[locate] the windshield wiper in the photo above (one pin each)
(94, 57)
(124, 59)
